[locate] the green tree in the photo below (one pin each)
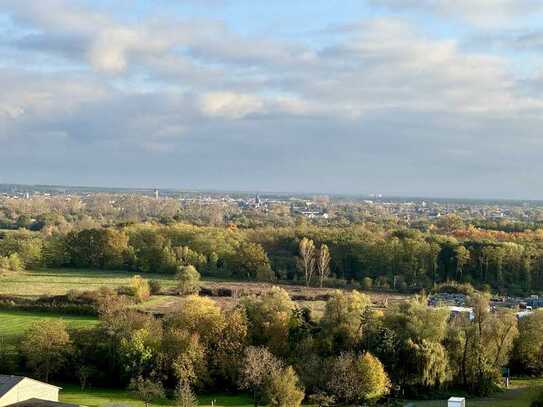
(251, 262)
(342, 319)
(269, 316)
(528, 349)
(429, 363)
(138, 352)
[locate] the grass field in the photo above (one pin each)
(521, 393)
(100, 397)
(14, 323)
(60, 281)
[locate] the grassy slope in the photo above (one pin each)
(100, 397)
(14, 323)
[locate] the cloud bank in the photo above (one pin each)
(379, 103)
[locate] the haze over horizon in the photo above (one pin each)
(436, 98)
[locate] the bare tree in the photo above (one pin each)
(323, 264)
(306, 259)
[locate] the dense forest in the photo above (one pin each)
(370, 255)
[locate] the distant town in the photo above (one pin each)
(311, 206)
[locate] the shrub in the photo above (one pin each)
(188, 280)
(322, 400)
(155, 286)
(140, 288)
(455, 288)
(146, 390)
(367, 283)
(12, 262)
(382, 282)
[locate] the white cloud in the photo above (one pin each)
(230, 105)
(482, 13)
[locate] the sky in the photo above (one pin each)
(429, 98)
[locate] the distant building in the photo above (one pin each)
(156, 194)
(15, 389)
(456, 402)
(456, 311)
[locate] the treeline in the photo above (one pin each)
(366, 255)
(281, 354)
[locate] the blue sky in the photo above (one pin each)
(400, 97)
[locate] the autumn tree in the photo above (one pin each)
(198, 315)
(139, 288)
(46, 346)
(358, 378)
(259, 365)
(184, 358)
(306, 259)
(224, 360)
(283, 389)
(323, 264)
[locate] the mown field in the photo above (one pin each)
(521, 394)
(14, 323)
(60, 281)
(100, 397)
